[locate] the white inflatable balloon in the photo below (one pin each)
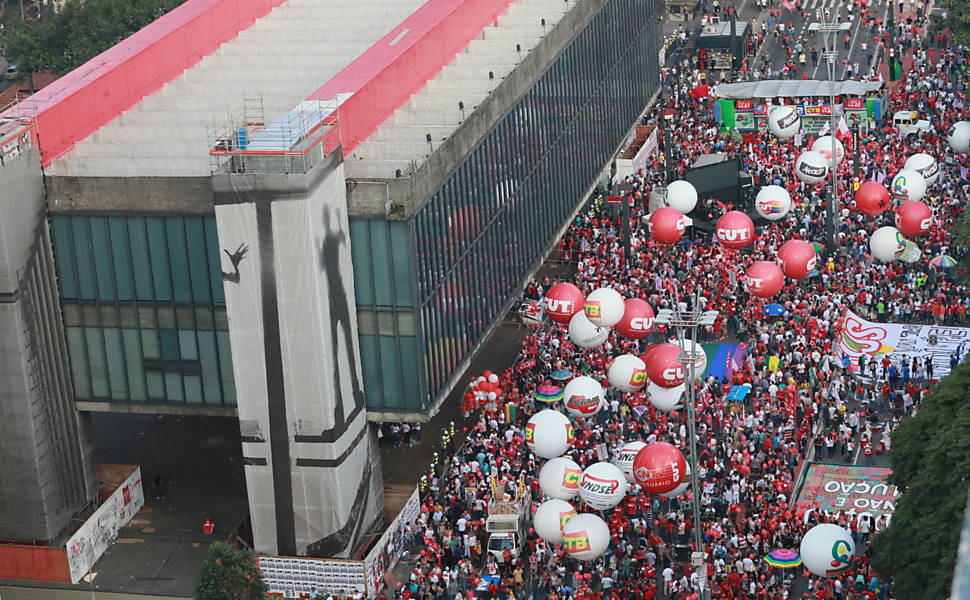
(908, 185)
(584, 334)
(827, 549)
(959, 137)
(773, 202)
(823, 146)
(559, 478)
(887, 244)
(548, 433)
(583, 397)
(665, 399)
(680, 489)
(628, 373)
(811, 167)
(551, 517)
(585, 537)
(699, 358)
(603, 486)
(783, 121)
(625, 457)
(604, 307)
(925, 165)
(681, 195)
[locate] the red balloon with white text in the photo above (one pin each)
(734, 230)
(763, 279)
(637, 319)
(667, 225)
(659, 467)
(797, 259)
(914, 218)
(562, 301)
(664, 366)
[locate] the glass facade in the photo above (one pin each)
(144, 308)
(496, 214)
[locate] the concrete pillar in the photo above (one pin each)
(312, 469)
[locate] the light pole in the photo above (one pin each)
(828, 31)
(686, 323)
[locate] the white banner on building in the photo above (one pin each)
(640, 160)
(87, 545)
(304, 577)
(383, 556)
(897, 341)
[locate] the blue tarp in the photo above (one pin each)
(739, 392)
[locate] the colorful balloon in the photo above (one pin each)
(551, 517)
(784, 121)
(925, 165)
(826, 549)
(763, 279)
(584, 334)
(811, 167)
(823, 146)
(548, 433)
(914, 218)
(872, 198)
(627, 373)
(773, 202)
(625, 457)
(666, 225)
(665, 399)
(603, 486)
(797, 259)
(959, 137)
(585, 537)
(734, 230)
(637, 319)
(559, 478)
(887, 244)
(583, 397)
(562, 301)
(680, 195)
(604, 307)
(659, 467)
(664, 366)
(908, 185)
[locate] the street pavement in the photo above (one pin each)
(26, 593)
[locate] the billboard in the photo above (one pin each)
(850, 490)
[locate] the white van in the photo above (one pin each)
(908, 122)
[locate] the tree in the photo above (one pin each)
(930, 459)
(957, 19)
(67, 38)
(230, 574)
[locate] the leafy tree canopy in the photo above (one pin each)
(931, 459)
(230, 574)
(65, 39)
(957, 19)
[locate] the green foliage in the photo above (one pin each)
(230, 574)
(958, 19)
(65, 39)
(930, 458)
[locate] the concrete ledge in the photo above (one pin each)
(130, 195)
(160, 408)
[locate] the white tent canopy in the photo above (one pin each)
(793, 88)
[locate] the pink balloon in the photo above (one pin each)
(872, 198)
(734, 230)
(667, 225)
(637, 319)
(797, 259)
(665, 368)
(914, 218)
(562, 301)
(763, 279)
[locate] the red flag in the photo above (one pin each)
(748, 138)
(700, 91)
(788, 5)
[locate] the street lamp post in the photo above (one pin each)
(686, 323)
(828, 31)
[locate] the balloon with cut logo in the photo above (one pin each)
(583, 397)
(664, 366)
(734, 230)
(637, 319)
(602, 486)
(659, 467)
(562, 301)
(914, 218)
(797, 258)
(666, 225)
(559, 478)
(548, 433)
(585, 537)
(604, 307)
(827, 549)
(763, 279)
(551, 517)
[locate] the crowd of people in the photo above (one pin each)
(806, 401)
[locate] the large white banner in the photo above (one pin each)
(858, 336)
(87, 545)
(387, 551)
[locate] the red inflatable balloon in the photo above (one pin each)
(872, 198)
(667, 225)
(659, 467)
(914, 218)
(664, 367)
(637, 319)
(562, 301)
(797, 259)
(647, 353)
(734, 230)
(763, 279)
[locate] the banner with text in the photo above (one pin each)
(897, 341)
(850, 490)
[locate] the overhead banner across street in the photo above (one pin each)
(851, 490)
(896, 341)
